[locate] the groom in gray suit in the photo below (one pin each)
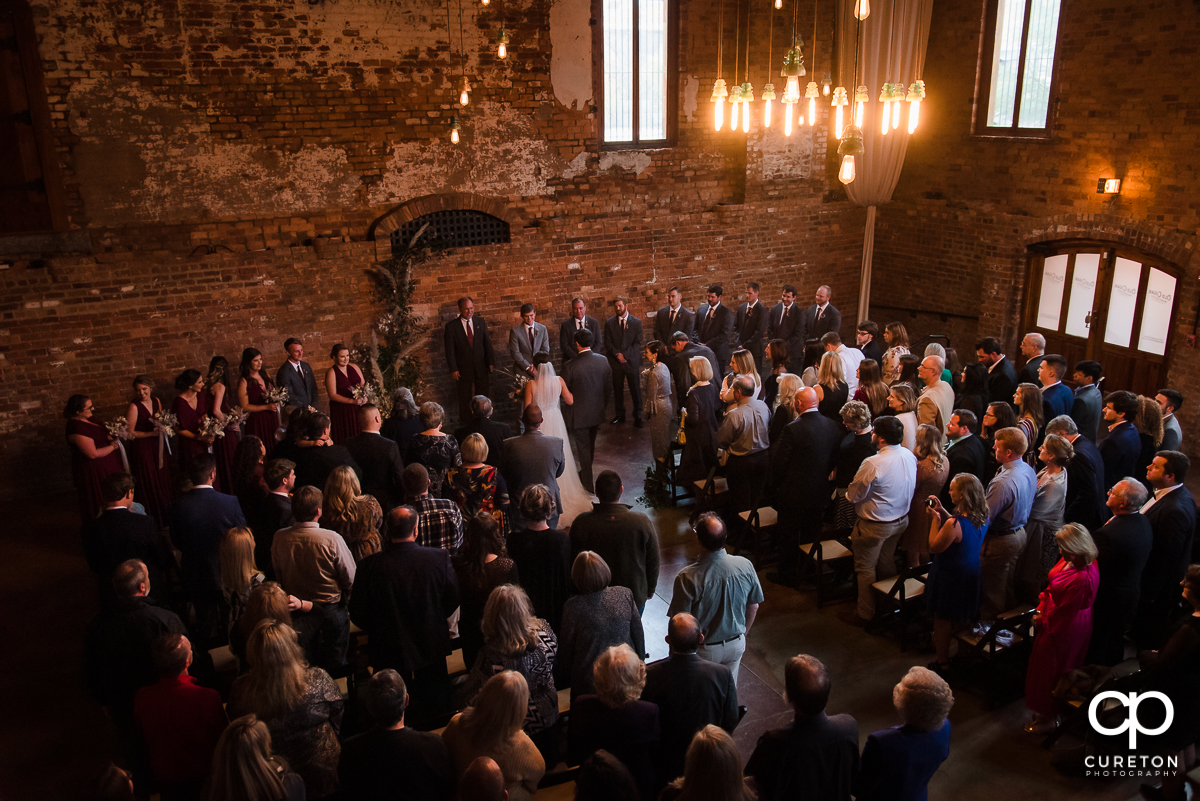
(528, 340)
(533, 458)
(589, 378)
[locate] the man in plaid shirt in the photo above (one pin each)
(440, 523)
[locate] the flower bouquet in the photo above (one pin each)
(280, 395)
(366, 392)
(211, 427)
(165, 422)
(235, 418)
(519, 378)
(118, 430)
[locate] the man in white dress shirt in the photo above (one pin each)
(851, 358)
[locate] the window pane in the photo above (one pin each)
(1083, 292)
(618, 70)
(1010, 20)
(1039, 63)
(1054, 279)
(1122, 302)
(652, 66)
(1156, 312)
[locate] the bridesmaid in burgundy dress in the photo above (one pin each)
(343, 407)
(219, 406)
(93, 455)
(153, 476)
(263, 421)
(190, 406)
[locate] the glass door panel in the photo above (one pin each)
(1122, 302)
(1083, 293)
(1054, 281)
(1156, 313)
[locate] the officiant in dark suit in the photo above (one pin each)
(589, 378)
(714, 326)
(578, 321)
(296, 376)
(528, 340)
(623, 346)
(469, 355)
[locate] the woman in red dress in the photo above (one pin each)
(93, 455)
(191, 406)
(217, 384)
(150, 454)
(340, 380)
(263, 421)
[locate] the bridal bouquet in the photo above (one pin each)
(211, 427)
(235, 418)
(118, 429)
(165, 422)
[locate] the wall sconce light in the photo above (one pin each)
(1108, 186)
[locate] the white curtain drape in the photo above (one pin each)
(890, 44)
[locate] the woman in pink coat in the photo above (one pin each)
(1063, 622)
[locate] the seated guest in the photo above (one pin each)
(897, 763)
(700, 424)
(1172, 517)
(1064, 624)
(482, 781)
(784, 410)
(714, 770)
(493, 432)
(542, 556)
(690, 693)
(441, 521)
(378, 458)
(390, 762)
(113, 784)
(316, 462)
(516, 640)
(267, 601)
(358, 518)
(301, 705)
(478, 487)
(972, 394)
(627, 540)
(239, 575)
(1122, 547)
(599, 617)
(179, 720)
(482, 566)
(244, 767)
(615, 719)
(492, 727)
(276, 511)
(603, 777)
(815, 757)
(871, 389)
(965, 450)
(952, 590)
(902, 400)
(404, 422)
(434, 448)
(855, 447)
(120, 534)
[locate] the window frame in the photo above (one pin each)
(672, 93)
(987, 51)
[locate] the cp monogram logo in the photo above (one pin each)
(1131, 723)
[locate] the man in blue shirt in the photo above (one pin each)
(1010, 498)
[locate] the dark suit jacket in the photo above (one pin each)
(717, 333)
(800, 467)
(681, 371)
(1057, 400)
(589, 378)
(1085, 486)
(1086, 410)
(690, 693)
(626, 540)
(118, 650)
(685, 321)
(1029, 373)
(119, 534)
(460, 356)
(379, 459)
(566, 336)
(402, 597)
(791, 331)
(1123, 544)
(274, 513)
(750, 329)
(873, 350)
(815, 757)
(198, 521)
(830, 321)
(628, 343)
(1002, 382)
(533, 458)
(313, 465)
(1173, 521)
(1120, 451)
(967, 455)
(494, 433)
(302, 391)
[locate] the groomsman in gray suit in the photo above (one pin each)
(533, 458)
(296, 375)
(589, 378)
(578, 321)
(528, 340)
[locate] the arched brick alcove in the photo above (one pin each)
(1167, 244)
(381, 230)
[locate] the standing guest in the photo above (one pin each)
(816, 756)
(1030, 417)
(469, 355)
(1002, 376)
(854, 448)
(910, 364)
(933, 470)
(603, 777)
(246, 482)
(297, 377)
(434, 448)
(952, 590)
(1170, 400)
(402, 598)
(378, 458)
(1064, 624)
(778, 356)
(263, 419)
(750, 327)
(1123, 546)
(690, 693)
(404, 422)
(851, 358)
(866, 337)
(786, 322)
(267, 601)
(318, 456)
(721, 592)
(954, 368)
(673, 317)
(623, 347)
(1150, 434)
(1058, 398)
(1172, 517)
(493, 727)
(871, 389)
(151, 467)
(896, 338)
(1085, 476)
(120, 534)
(441, 521)
(1088, 405)
(625, 539)
(903, 403)
(713, 769)
(478, 487)
(699, 424)
(744, 437)
(881, 492)
(239, 575)
(291, 438)
(180, 722)
(822, 317)
(1010, 497)
(783, 411)
(832, 389)
(1033, 349)
(972, 394)
(578, 321)
(658, 408)
(999, 416)
(191, 407)
(897, 763)
(1045, 518)
(482, 566)
(301, 705)
(216, 385)
(936, 403)
(276, 512)
(1122, 446)
(534, 458)
(589, 380)
(316, 566)
(493, 431)
(542, 556)
(599, 617)
(740, 365)
(615, 719)
(681, 350)
(389, 761)
(714, 325)
(965, 451)
(244, 769)
(357, 517)
(527, 339)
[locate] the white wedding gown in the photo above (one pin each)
(547, 391)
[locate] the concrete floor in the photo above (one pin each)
(52, 736)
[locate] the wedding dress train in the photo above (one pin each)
(547, 391)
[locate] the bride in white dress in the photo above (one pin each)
(546, 390)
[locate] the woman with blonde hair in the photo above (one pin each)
(1045, 518)
(1030, 417)
(897, 763)
(478, 487)
(955, 578)
(871, 389)
(741, 363)
(896, 338)
(832, 389)
(700, 423)
(784, 410)
(933, 468)
(492, 727)
(244, 769)
(903, 403)
(266, 601)
(301, 705)
(1064, 624)
(712, 771)
(239, 576)
(357, 517)
(615, 719)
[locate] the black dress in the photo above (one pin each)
(474, 591)
(700, 429)
(835, 398)
(544, 561)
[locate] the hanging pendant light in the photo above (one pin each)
(779, 3)
(768, 94)
(861, 98)
(916, 93)
(747, 99)
(793, 69)
(502, 43)
(840, 101)
(826, 84)
(851, 146)
(454, 130)
(862, 9)
(719, 94)
(886, 96)
(812, 93)
(463, 87)
(735, 100)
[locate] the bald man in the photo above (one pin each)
(482, 781)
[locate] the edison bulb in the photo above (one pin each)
(859, 109)
(896, 114)
(464, 98)
(767, 115)
(846, 173)
(886, 117)
(812, 111)
(719, 113)
(914, 115)
(837, 124)
(745, 116)
(792, 92)
(787, 119)
(779, 3)
(733, 116)
(501, 51)
(862, 10)
(454, 136)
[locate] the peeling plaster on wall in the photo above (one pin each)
(627, 159)
(786, 156)
(691, 88)
(576, 166)
(571, 52)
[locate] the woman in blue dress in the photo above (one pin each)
(952, 590)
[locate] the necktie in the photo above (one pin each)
(820, 313)
(530, 330)
(672, 317)
(299, 369)
(470, 334)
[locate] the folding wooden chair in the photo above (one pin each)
(831, 561)
(678, 491)
(901, 595)
(756, 520)
(1001, 652)
(710, 492)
